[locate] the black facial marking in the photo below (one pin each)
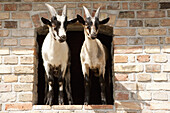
(96, 23)
(89, 23)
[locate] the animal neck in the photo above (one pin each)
(54, 43)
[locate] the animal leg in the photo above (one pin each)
(61, 93)
(102, 85)
(87, 89)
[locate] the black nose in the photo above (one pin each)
(93, 36)
(62, 38)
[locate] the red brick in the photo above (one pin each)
(124, 5)
(121, 77)
(124, 32)
(150, 14)
(10, 24)
(4, 15)
(97, 5)
(18, 106)
(126, 14)
(151, 40)
(167, 40)
(122, 96)
(149, 32)
(5, 87)
(1, 7)
(121, 23)
(26, 24)
(45, 15)
(0, 24)
(114, 6)
(86, 5)
(143, 58)
(151, 5)
(120, 59)
(4, 33)
(165, 22)
(10, 7)
(135, 23)
(128, 49)
(128, 106)
(20, 15)
(36, 20)
(136, 5)
(25, 7)
(120, 41)
(10, 42)
(89, 107)
(152, 68)
(27, 42)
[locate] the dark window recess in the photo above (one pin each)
(75, 40)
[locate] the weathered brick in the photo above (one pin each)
(0, 24)
(165, 22)
(143, 58)
(166, 67)
(124, 5)
(24, 69)
(20, 15)
(166, 49)
(126, 14)
(152, 68)
(5, 69)
(160, 77)
(10, 60)
(161, 40)
(10, 78)
(120, 59)
(27, 79)
(128, 68)
(23, 51)
(144, 95)
(0, 59)
(7, 97)
(128, 105)
(27, 60)
(23, 87)
(23, 33)
(124, 32)
(158, 86)
(45, 15)
(132, 59)
(121, 77)
(96, 5)
(10, 7)
(121, 23)
(4, 15)
(36, 20)
(119, 41)
(10, 1)
(151, 5)
(25, 97)
(152, 49)
(160, 58)
(160, 96)
(136, 5)
(160, 105)
(68, 107)
(136, 41)
(141, 86)
(112, 19)
(128, 50)
(87, 5)
(4, 51)
(71, 13)
(42, 107)
(90, 107)
(10, 42)
(114, 6)
(27, 42)
(164, 5)
(136, 23)
(40, 7)
(5, 87)
(145, 32)
(167, 40)
(4, 33)
(150, 14)
(25, 7)
(151, 40)
(144, 77)
(152, 23)
(26, 24)
(10, 24)
(18, 106)
(122, 96)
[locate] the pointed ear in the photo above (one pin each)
(80, 19)
(51, 9)
(46, 21)
(104, 21)
(87, 13)
(72, 21)
(64, 11)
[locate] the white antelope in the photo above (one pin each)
(55, 54)
(93, 54)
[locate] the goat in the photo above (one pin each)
(93, 53)
(55, 55)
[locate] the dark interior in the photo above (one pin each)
(75, 40)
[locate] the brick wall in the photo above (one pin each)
(141, 54)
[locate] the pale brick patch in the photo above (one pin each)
(26, 78)
(4, 33)
(149, 32)
(120, 59)
(10, 78)
(128, 68)
(68, 107)
(5, 87)
(151, 40)
(18, 106)
(23, 33)
(143, 58)
(5, 69)
(131, 59)
(27, 60)
(166, 68)
(20, 15)
(24, 69)
(10, 60)
(144, 77)
(152, 49)
(124, 32)
(25, 97)
(159, 105)
(121, 77)
(160, 77)
(4, 15)
(121, 23)
(25, 24)
(128, 105)
(167, 40)
(160, 96)
(27, 42)
(158, 86)
(10, 42)
(143, 95)
(0, 60)
(128, 50)
(119, 41)
(23, 87)
(160, 58)
(166, 49)
(4, 51)
(125, 86)
(153, 68)
(141, 86)
(41, 107)
(8, 97)
(23, 51)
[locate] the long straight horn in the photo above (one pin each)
(64, 13)
(87, 13)
(51, 9)
(97, 13)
